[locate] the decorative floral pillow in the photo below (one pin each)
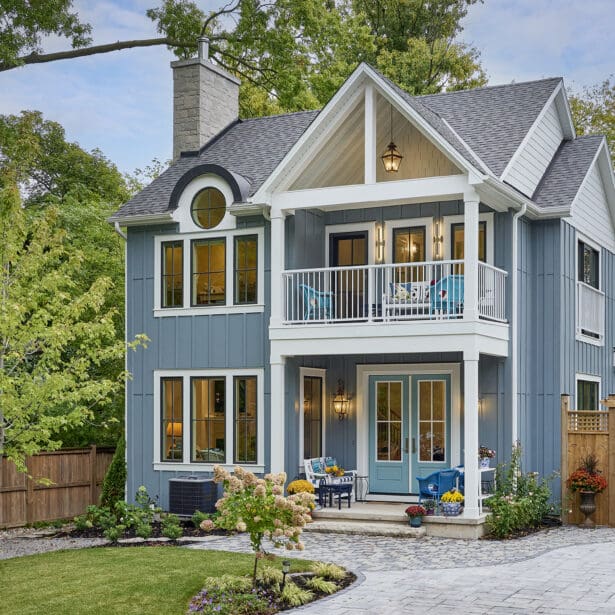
(400, 292)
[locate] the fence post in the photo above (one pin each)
(565, 408)
(29, 495)
(609, 404)
(93, 474)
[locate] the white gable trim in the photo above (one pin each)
(332, 114)
(602, 165)
(557, 96)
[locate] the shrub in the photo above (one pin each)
(171, 527)
(114, 533)
(114, 483)
(321, 585)
(293, 595)
(332, 572)
(198, 517)
(143, 530)
(520, 501)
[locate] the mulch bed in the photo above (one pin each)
(187, 526)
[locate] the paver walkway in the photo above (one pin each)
(563, 571)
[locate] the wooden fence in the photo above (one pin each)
(76, 476)
(585, 432)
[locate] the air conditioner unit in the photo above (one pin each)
(190, 493)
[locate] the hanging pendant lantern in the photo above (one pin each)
(391, 159)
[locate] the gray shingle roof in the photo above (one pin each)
(567, 170)
(492, 121)
(251, 148)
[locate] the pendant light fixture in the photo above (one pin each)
(391, 159)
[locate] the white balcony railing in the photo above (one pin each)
(385, 293)
(590, 312)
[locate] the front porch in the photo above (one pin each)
(388, 519)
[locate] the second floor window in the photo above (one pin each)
(589, 265)
(209, 272)
(458, 242)
(588, 392)
(172, 274)
(246, 271)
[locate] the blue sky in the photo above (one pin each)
(121, 102)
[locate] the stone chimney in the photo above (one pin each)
(205, 101)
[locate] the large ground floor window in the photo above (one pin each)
(208, 417)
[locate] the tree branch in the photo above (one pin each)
(36, 58)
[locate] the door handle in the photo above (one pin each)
(413, 446)
(406, 446)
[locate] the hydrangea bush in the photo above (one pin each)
(258, 507)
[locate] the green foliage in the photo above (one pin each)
(53, 335)
(114, 483)
(171, 527)
(321, 585)
(24, 24)
(293, 595)
(228, 582)
(271, 577)
(198, 517)
(593, 111)
(231, 602)
(520, 502)
(332, 572)
(143, 530)
(114, 533)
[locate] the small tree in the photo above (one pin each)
(257, 506)
(114, 483)
(53, 336)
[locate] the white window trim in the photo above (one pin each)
(448, 222)
(321, 373)
(229, 413)
(229, 307)
(391, 225)
(596, 246)
(183, 214)
(369, 227)
(589, 378)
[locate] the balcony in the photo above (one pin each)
(389, 293)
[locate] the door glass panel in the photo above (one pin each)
(432, 420)
(425, 400)
(438, 400)
(395, 403)
(389, 421)
(409, 247)
(349, 250)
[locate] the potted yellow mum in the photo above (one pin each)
(451, 502)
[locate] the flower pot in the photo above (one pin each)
(415, 521)
(484, 463)
(587, 506)
(450, 509)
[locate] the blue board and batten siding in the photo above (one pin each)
(225, 341)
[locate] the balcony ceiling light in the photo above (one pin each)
(391, 159)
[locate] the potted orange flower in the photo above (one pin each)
(588, 481)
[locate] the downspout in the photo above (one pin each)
(119, 231)
(513, 329)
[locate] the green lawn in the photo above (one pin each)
(140, 580)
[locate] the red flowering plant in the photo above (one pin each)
(415, 511)
(587, 477)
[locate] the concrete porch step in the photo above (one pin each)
(365, 528)
(365, 511)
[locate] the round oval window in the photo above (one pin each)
(208, 208)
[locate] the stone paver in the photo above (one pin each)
(561, 571)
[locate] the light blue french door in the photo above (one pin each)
(388, 434)
(409, 430)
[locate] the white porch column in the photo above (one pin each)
(370, 135)
(470, 431)
(470, 250)
(277, 266)
(277, 414)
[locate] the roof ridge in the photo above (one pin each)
(267, 117)
(488, 87)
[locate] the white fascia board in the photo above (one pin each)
(530, 132)
(142, 220)
(403, 191)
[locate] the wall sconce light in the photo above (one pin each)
(341, 403)
(391, 159)
(438, 239)
(379, 244)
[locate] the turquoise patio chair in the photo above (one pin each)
(433, 486)
(447, 295)
(317, 304)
